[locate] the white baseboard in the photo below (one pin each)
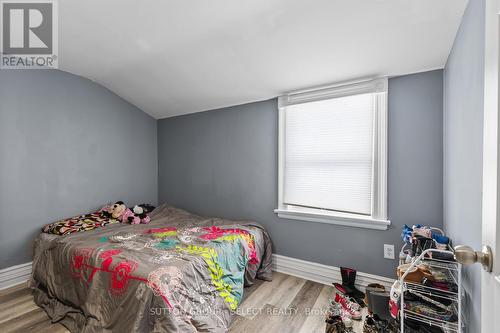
(322, 273)
(13, 275)
(308, 270)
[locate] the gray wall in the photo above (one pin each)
(67, 146)
(463, 144)
(224, 163)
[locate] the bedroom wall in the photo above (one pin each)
(224, 163)
(463, 145)
(67, 146)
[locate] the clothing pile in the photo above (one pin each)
(420, 238)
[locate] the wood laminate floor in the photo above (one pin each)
(288, 304)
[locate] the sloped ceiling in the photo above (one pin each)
(173, 57)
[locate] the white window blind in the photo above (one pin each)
(332, 157)
(329, 154)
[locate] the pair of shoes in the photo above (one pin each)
(348, 282)
(374, 324)
(335, 309)
(340, 288)
(351, 308)
(356, 303)
(334, 324)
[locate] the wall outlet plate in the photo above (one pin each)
(389, 251)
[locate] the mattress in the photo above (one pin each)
(179, 273)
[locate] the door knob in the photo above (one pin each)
(466, 255)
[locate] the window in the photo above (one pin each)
(333, 155)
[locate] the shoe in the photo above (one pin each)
(346, 319)
(372, 287)
(394, 297)
(348, 282)
(348, 306)
(356, 306)
(393, 326)
(335, 325)
(385, 326)
(335, 309)
(369, 326)
(358, 302)
(341, 289)
(416, 274)
(379, 302)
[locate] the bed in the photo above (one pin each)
(179, 273)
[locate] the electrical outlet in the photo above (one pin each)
(389, 251)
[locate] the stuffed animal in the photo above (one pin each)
(147, 208)
(130, 217)
(119, 211)
(115, 211)
(141, 211)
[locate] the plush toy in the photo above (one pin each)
(119, 211)
(115, 211)
(130, 217)
(141, 211)
(147, 208)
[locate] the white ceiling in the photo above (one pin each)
(173, 57)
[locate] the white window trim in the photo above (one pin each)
(378, 218)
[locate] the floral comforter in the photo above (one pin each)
(180, 273)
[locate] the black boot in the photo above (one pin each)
(348, 281)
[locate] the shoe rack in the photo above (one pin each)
(453, 272)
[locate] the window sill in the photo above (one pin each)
(344, 219)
